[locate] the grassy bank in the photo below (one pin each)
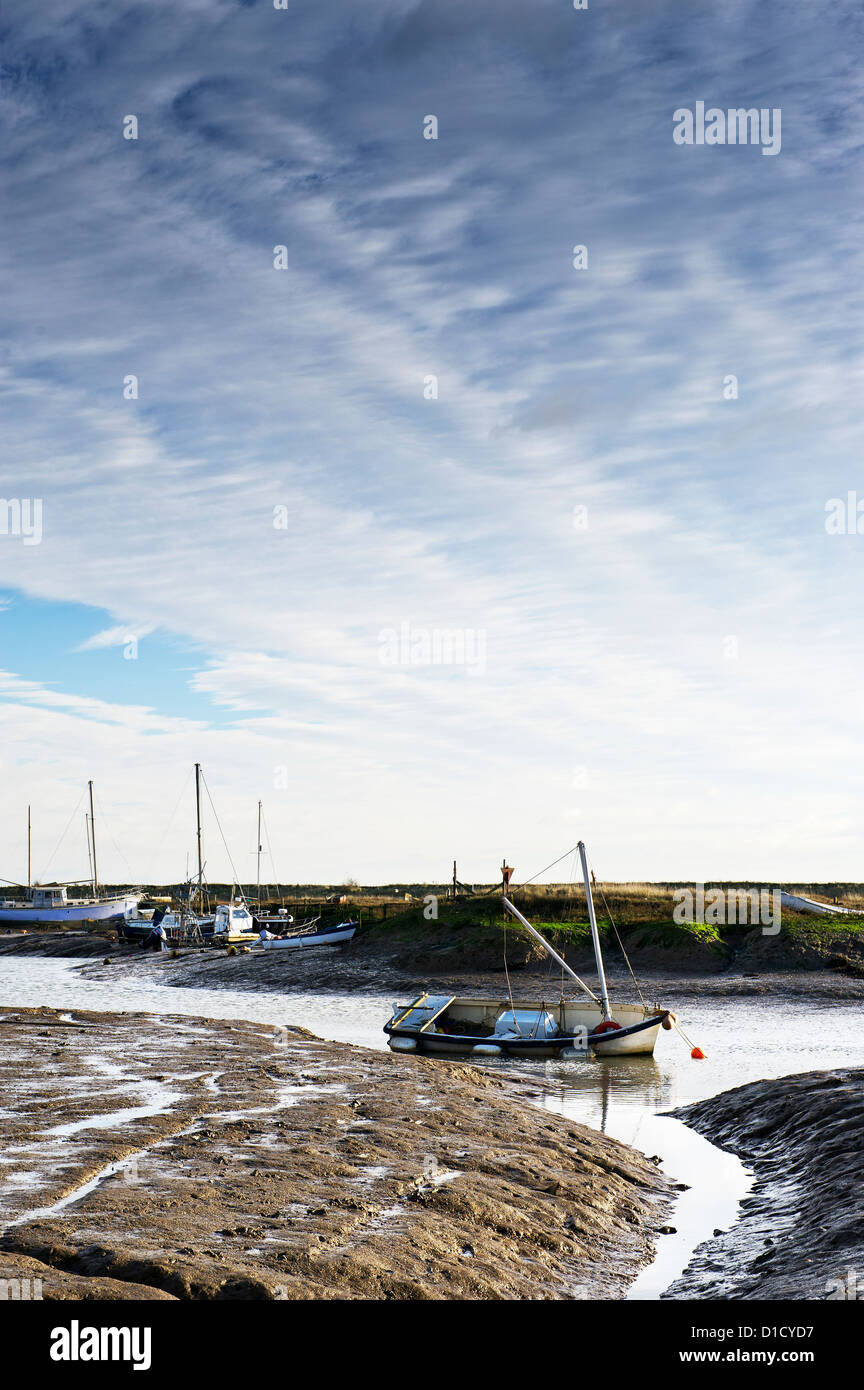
(472, 933)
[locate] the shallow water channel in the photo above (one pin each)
(744, 1039)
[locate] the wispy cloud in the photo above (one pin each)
(300, 392)
(115, 636)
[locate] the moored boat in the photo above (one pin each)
(279, 931)
(231, 922)
(489, 1027)
(50, 905)
(310, 936)
(484, 1027)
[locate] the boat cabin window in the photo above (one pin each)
(49, 897)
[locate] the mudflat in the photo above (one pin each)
(156, 1156)
(800, 1233)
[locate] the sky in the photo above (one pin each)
(435, 543)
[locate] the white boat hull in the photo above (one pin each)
(330, 938)
(435, 1028)
(801, 904)
(103, 910)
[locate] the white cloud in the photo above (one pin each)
(115, 636)
(303, 389)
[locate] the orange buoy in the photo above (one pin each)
(697, 1054)
(607, 1026)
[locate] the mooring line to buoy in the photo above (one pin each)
(695, 1052)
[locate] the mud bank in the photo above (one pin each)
(370, 970)
(344, 969)
(157, 1156)
(368, 964)
(801, 1230)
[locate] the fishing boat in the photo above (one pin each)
(279, 931)
(229, 923)
(308, 935)
(50, 904)
(233, 922)
(484, 1027)
(188, 924)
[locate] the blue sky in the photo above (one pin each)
(677, 680)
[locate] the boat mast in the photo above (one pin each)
(93, 839)
(89, 853)
(258, 874)
(29, 882)
(595, 935)
(198, 818)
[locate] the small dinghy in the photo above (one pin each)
(309, 936)
(450, 1024)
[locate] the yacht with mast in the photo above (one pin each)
(50, 904)
(483, 1027)
(279, 931)
(195, 924)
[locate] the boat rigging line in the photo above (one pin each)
(224, 841)
(42, 877)
(158, 849)
(573, 851)
(106, 826)
(269, 846)
(621, 946)
(577, 849)
(523, 921)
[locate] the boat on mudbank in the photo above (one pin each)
(230, 924)
(490, 1027)
(51, 906)
(311, 935)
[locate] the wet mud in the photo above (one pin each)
(800, 1234)
(157, 1156)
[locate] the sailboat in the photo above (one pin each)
(229, 922)
(483, 1027)
(281, 932)
(50, 904)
